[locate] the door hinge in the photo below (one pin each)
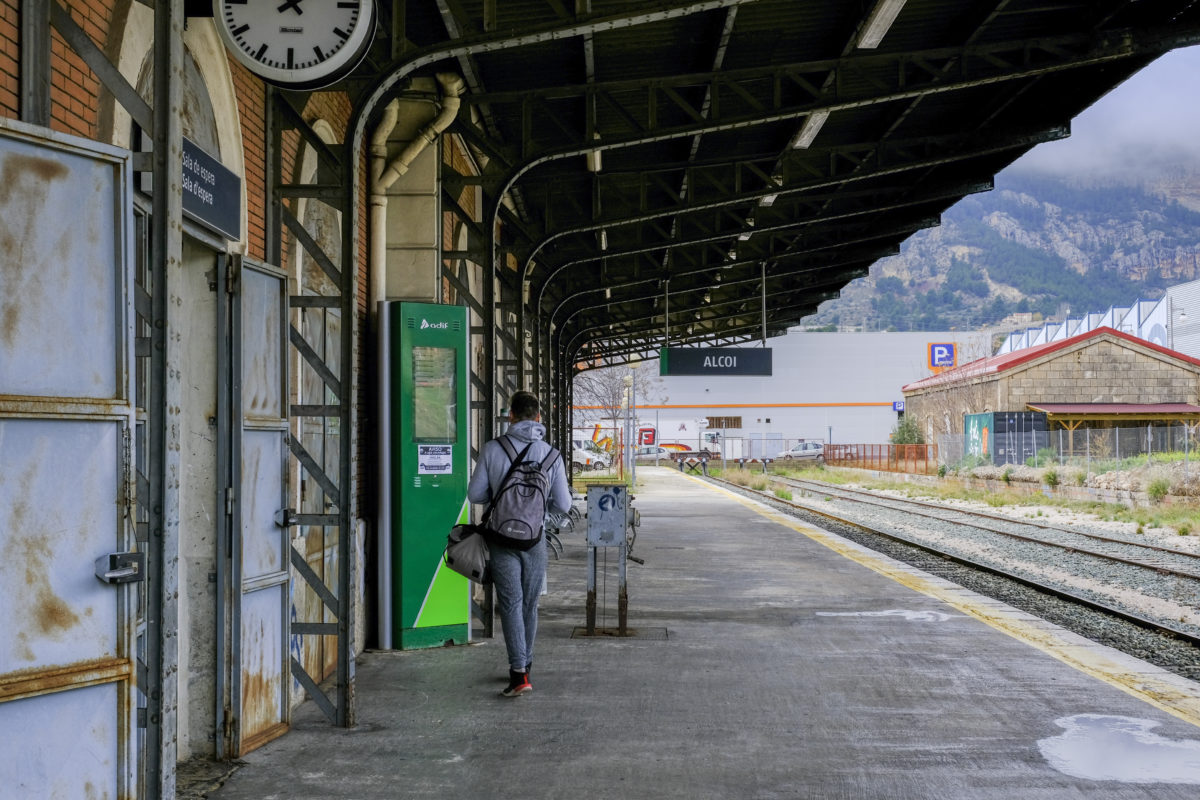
(228, 732)
(233, 269)
(229, 502)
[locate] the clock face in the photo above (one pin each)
(299, 44)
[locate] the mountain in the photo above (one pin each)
(1035, 244)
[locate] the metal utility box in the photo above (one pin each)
(423, 455)
(608, 515)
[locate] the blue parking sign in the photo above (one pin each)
(941, 355)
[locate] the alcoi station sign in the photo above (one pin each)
(714, 361)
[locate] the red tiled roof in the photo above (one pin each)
(993, 365)
(1130, 409)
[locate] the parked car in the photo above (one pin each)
(650, 452)
(584, 459)
(804, 451)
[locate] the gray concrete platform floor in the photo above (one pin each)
(792, 668)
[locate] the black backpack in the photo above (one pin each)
(518, 508)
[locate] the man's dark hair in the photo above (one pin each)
(524, 405)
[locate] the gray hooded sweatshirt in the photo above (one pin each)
(494, 462)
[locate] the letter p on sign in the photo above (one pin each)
(941, 356)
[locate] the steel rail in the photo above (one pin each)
(1043, 526)
(896, 503)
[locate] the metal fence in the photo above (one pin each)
(751, 447)
(920, 459)
(1094, 449)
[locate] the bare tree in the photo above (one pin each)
(601, 390)
(940, 410)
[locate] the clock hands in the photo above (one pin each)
(292, 4)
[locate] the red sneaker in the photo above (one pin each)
(518, 684)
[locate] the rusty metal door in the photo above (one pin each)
(257, 546)
(67, 674)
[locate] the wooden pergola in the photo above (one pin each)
(1073, 416)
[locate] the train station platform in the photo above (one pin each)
(772, 660)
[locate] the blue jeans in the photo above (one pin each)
(518, 575)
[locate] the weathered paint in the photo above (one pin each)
(262, 676)
(66, 466)
(75, 757)
(262, 354)
(263, 571)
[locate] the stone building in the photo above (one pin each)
(1098, 369)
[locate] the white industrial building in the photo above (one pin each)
(1173, 321)
(833, 387)
(845, 387)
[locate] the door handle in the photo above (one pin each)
(121, 567)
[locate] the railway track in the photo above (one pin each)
(1113, 567)
(1164, 560)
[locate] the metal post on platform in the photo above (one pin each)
(622, 592)
(591, 591)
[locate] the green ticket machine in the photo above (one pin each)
(423, 446)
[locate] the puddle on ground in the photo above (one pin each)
(907, 614)
(1102, 747)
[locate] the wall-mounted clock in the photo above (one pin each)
(297, 44)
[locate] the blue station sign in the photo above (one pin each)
(714, 361)
(212, 194)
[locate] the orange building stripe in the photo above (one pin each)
(746, 405)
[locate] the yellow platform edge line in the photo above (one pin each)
(1165, 690)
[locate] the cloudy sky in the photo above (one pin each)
(1151, 121)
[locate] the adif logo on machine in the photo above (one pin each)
(435, 325)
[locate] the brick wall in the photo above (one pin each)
(9, 59)
(1103, 372)
(74, 88)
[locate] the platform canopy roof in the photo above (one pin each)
(700, 156)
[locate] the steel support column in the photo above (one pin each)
(166, 255)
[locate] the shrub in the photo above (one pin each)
(941, 470)
(1158, 489)
(1185, 529)
(907, 432)
(1080, 479)
(1051, 477)
(758, 485)
(1007, 475)
(783, 494)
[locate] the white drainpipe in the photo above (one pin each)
(383, 176)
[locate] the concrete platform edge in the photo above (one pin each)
(1164, 690)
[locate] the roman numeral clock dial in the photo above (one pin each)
(297, 44)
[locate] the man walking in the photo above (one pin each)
(518, 574)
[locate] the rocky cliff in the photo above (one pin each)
(1034, 245)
